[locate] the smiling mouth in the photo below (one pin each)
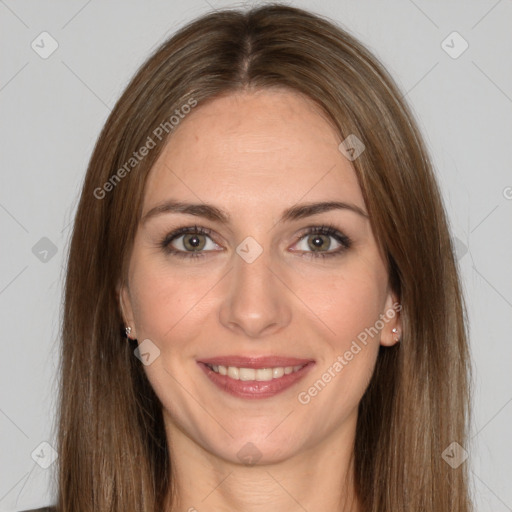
(257, 374)
(257, 377)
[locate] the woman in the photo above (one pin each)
(262, 308)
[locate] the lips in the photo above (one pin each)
(253, 389)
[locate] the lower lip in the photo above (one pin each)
(253, 388)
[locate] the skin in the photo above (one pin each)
(254, 155)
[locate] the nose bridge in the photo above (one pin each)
(256, 302)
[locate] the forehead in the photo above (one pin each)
(270, 147)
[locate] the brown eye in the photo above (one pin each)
(189, 242)
(193, 242)
(318, 242)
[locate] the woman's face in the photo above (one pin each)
(256, 282)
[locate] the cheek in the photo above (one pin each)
(348, 301)
(166, 301)
(351, 306)
(356, 307)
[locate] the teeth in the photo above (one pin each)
(278, 372)
(233, 372)
(260, 374)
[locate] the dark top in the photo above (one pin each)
(44, 509)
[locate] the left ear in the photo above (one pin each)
(392, 331)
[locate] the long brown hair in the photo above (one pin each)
(112, 443)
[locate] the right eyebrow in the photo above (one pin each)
(200, 210)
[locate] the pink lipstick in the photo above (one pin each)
(255, 377)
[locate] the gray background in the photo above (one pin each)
(53, 109)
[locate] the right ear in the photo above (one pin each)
(125, 305)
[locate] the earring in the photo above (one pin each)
(128, 330)
(396, 332)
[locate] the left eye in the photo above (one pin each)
(316, 242)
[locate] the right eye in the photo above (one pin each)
(188, 242)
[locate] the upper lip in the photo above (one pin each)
(255, 361)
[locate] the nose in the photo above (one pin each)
(257, 302)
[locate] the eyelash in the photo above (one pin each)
(325, 229)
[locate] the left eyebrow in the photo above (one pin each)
(303, 210)
(213, 213)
